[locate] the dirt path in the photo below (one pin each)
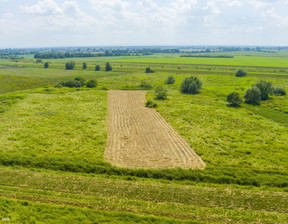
(139, 137)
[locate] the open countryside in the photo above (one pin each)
(97, 152)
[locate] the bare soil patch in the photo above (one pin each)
(138, 137)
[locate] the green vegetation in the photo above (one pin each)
(279, 92)
(149, 70)
(161, 93)
(170, 80)
(70, 65)
(53, 140)
(46, 65)
(240, 73)
(253, 95)
(91, 83)
(151, 104)
(97, 68)
(266, 89)
(191, 85)
(108, 67)
(84, 65)
(234, 99)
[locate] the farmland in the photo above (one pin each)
(53, 142)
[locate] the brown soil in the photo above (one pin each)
(138, 137)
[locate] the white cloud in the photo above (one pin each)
(42, 7)
(8, 15)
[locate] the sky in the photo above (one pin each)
(55, 23)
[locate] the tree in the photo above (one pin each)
(170, 80)
(149, 70)
(84, 66)
(266, 88)
(234, 99)
(91, 84)
(97, 68)
(252, 95)
(161, 93)
(80, 79)
(70, 65)
(46, 65)
(191, 85)
(240, 73)
(108, 67)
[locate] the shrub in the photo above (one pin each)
(80, 79)
(97, 68)
(191, 85)
(170, 80)
(252, 95)
(149, 70)
(46, 65)
(161, 93)
(241, 73)
(145, 85)
(72, 83)
(279, 92)
(265, 89)
(234, 99)
(91, 84)
(70, 65)
(150, 104)
(108, 67)
(84, 66)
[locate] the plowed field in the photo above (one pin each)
(139, 137)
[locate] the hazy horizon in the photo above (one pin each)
(55, 23)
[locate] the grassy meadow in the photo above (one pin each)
(52, 143)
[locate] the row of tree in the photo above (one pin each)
(77, 82)
(259, 91)
(71, 65)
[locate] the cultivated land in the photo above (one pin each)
(139, 137)
(53, 141)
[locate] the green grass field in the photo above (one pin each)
(53, 140)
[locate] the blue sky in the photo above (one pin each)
(48, 23)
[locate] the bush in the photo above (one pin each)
(170, 80)
(252, 95)
(97, 68)
(70, 65)
(84, 66)
(234, 99)
(91, 84)
(72, 83)
(145, 85)
(149, 70)
(80, 79)
(46, 65)
(279, 92)
(191, 85)
(265, 89)
(108, 67)
(161, 93)
(240, 73)
(150, 104)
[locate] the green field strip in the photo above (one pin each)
(217, 197)
(15, 211)
(143, 208)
